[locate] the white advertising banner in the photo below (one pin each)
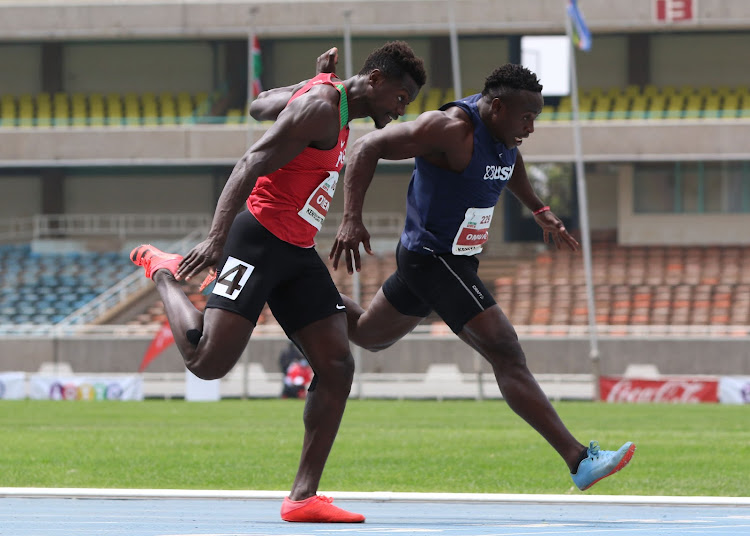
(86, 388)
(734, 389)
(12, 385)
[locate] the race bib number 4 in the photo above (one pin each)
(317, 205)
(473, 232)
(232, 279)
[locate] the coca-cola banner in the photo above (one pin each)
(734, 390)
(678, 390)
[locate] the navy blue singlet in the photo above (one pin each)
(449, 212)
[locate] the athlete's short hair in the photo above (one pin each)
(510, 78)
(394, 60)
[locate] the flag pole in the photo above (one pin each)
(583, 215)
(356, 281)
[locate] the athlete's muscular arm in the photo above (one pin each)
(444, 138)
(551, 225)
(310, 120)
(268, 104)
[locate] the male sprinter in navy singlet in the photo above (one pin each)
(266, 254)
(465, 154)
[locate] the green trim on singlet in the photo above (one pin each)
(343, 105)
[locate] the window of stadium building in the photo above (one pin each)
(692, 187)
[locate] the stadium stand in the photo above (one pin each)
(38, 288)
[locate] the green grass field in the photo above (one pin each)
(427, 446)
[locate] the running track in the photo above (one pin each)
(86, 512)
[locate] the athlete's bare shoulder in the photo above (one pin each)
(317, 111)
(451, 135)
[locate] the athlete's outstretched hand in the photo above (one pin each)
(554, 228)
(204, 255)
(351, 233)
(326, 62)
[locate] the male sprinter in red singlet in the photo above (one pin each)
(465, 154)
(266, 252)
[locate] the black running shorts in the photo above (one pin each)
(446, 283)
(257, 268)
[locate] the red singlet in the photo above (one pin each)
(293, 201)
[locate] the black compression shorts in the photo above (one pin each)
(446, 283)
(257, 268)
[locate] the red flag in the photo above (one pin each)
(162, 340)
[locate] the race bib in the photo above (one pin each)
(232, 279)
(317, 205)
(473, 232)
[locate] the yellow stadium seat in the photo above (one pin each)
(62, 110)
(433, 99)
(601, 107)
(167, 109)
(730, 105)
(548, 113)
(639, 107)
(96, 113)
(25, 110)
(594, 92)
(675, 106)
(184, 107)
(471, 91)
(621, 107)
(693, 106)
(632, 90)
(132, 106)
(656, 107)
(414, 108)
(78, 110)
(8, 116)
(650, 90)
(564, 109)
(114, 109)
(234, 116)
(712, 106)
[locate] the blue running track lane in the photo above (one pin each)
(106, 512)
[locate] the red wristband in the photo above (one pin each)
(543, 209)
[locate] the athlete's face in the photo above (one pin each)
(512, 117)
(390, 97)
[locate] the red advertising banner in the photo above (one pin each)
(674, 10)
(678, 390)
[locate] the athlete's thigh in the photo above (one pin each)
(306, 294)
(447, 283)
